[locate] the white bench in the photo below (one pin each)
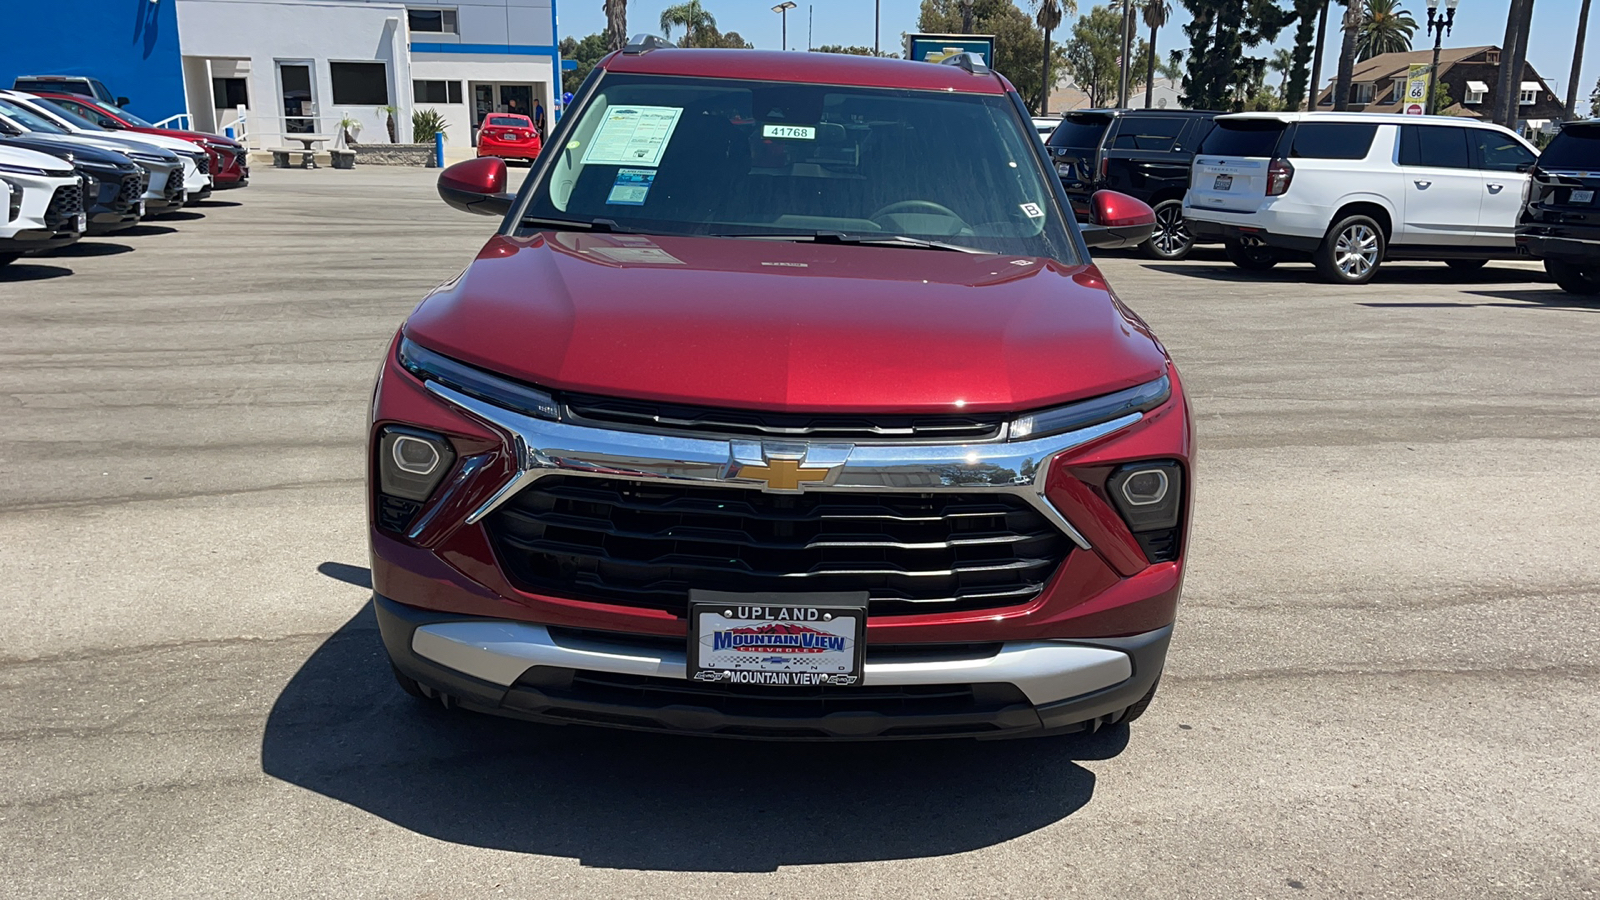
(343, 158)
(282, 156)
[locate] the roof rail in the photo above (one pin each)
(970, 61)
(644, 43)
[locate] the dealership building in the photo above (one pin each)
(299, 66)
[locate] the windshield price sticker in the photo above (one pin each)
(790, 132)
(738, 639)
(633, 136)
(631, 187)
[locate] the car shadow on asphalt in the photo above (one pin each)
(216, 204)
(21, 271)
(146, 230)
(181, 216)
(633, 800)
(90, 247)
(1550, 299)
(1390, 275)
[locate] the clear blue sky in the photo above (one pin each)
(850, 22)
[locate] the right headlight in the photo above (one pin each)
(1149, 497)
(503, 392)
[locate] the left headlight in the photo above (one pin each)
(1149, 497)
(1093, 411)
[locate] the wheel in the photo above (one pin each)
(1171, 239)
(7, 259)
(1142, 704)
(1466, 265)
(1574, 278)
(1351, 251)
(1256, 259)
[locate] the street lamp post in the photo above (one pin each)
(1438, 26)
(782, 9)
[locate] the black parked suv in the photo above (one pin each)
(113, 185)
(1560, 220)
(1141, 152)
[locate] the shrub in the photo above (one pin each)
(425, 123)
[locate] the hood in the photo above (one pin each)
(196, 136)
(76, 152)
(176, 145)
(18, 156)
(787, 326)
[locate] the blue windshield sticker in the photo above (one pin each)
(631, 187)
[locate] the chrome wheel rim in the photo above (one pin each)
(1356, 251)
(1170, 235)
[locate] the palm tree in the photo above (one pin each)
(1347, 55)
(1577, 62)
(1048, 13)
(1384, 29)
(1282, 61)
(694, 18)
(1156, 14)
(616, 23)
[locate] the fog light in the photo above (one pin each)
(1145, 486)
(1149, 497)
(415, 455)
(411, 462)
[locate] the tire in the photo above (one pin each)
(1575, 278)
(1466, 265)
(7, 259)
(1171, 239)
(1351, 251)
(1139, 706)
(1255, 259)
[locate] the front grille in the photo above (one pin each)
(66, 203)
(174, 186)
(133, 187)
(649, 415)
(647, 544)
(203, 162)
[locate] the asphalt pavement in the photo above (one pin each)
(1383, 681)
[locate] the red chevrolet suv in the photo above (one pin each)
(785, 403)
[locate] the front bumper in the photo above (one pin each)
(569, 676)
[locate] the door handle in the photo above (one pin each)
(1423, 184)
(1496, 188)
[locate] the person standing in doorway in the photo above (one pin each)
(538, 117)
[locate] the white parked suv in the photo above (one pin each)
(1352, 189)
(41, 203)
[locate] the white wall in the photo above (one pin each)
(265, 31)
(469, 67)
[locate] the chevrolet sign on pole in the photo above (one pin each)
(1417, 77)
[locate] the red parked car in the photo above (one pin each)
(228, 159)
(786, 403)
(508, 136)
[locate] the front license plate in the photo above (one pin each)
(1583, 196)
(141, 209)
(81, 223)
(784, 640)
(1224, 183)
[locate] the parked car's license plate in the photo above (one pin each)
(1065, 170)
(1224, 183)
(81, 223)
(1582, 197)
(793, 640)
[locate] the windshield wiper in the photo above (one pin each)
(868, 239)
(604, 226)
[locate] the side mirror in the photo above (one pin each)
(112, 124)
(477, 186)
(122, 101)
(1117, 220)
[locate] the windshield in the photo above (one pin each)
(71, 118)
(1080, 131)
(669, 155)
(29, 119)
(1575, 147)
(120, 113)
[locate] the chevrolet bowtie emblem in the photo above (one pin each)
(783, 474)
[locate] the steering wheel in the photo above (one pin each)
(910, 205)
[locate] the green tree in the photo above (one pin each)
(1220, 74)
(1047, 15)
(852, 50)
(1281, 62)
(1018, 43)
(1594, 101)
(1384, 29)
(586, 53)
(1305, 34)
(1092, 54)
(694, 18)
